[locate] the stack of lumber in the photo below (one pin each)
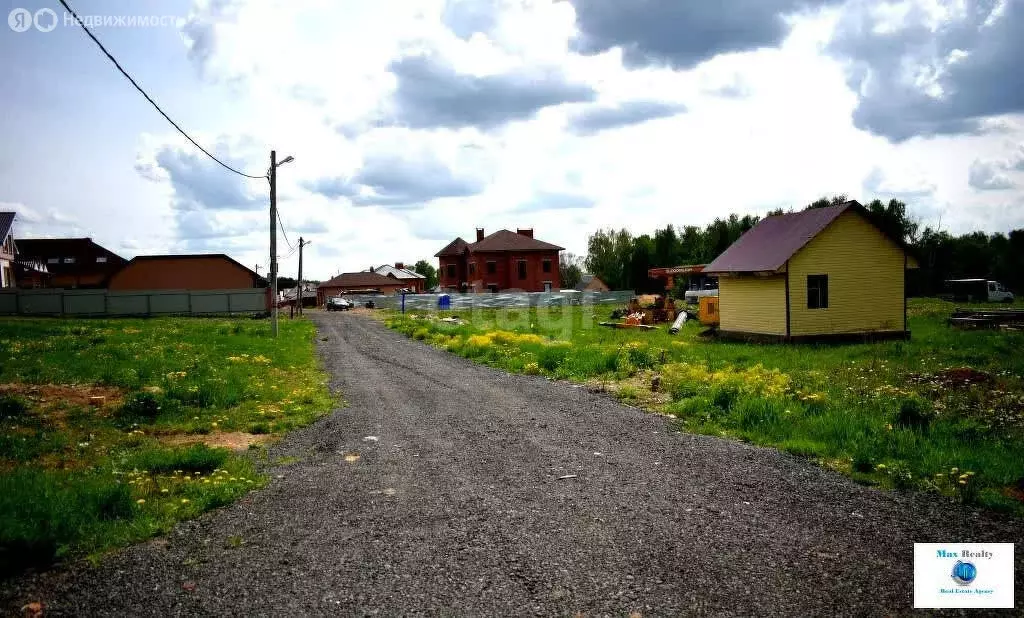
(988, 318)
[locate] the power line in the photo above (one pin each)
(285, 234)
(148, 98)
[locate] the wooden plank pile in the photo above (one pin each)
(1010, 319)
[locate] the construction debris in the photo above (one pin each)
(988, 318)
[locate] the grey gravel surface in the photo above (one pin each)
(458, 507)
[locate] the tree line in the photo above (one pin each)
(622, 260)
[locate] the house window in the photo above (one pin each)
(451, 271)
(817, 291)
(69, 260)
(522, 268)
(492, 267)
(101, 260)
(53, 260)
(472, 268)
(546, 266)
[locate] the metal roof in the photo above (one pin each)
(6, 221)
(399, 273)
(367, 279)
(774, 240)
(455, 247)
(505, 240)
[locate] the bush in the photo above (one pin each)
(42, 513)
(420, 334)
(551, 356)
(195, 458)
(914, 413)
(12, 406)
(142, 405)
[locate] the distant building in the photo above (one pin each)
(591, 283)
(7, 250)
(503, 260)
(214, 271)
(70, 262)
(410, 279)
(820, 273)
(366, 282)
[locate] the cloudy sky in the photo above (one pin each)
(415, 121)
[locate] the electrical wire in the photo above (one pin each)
(285, 234)
(148, 98)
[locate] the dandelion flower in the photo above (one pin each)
(140, 501)
(163, 491)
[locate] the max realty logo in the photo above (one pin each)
(963, 575)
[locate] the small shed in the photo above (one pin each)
(824, 273)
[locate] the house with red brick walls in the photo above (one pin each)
(504, 260)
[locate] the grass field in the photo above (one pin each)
(941, 413)
(113, 430)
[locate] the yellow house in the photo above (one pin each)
(817, 274)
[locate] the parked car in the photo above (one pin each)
(976, 290)
(338, 303)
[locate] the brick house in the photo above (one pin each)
(503, 260)
(70, 262)
(214, 271)
(366, 282)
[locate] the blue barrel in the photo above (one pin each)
(444, 301)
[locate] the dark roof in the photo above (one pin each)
(192, 256)
(455, 247)
(774, 240)
(6, 221)
(84, 250)
(504, 240)
(367, 279)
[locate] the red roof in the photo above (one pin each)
(504, 240)
(455, 247)
(770, 243)
(366, 279)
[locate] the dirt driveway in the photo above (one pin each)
(446, 487)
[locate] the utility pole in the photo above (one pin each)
(298, 296)
(273, 242)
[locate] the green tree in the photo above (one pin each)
(424, 268)
(569, 269)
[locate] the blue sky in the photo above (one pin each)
(415, 121)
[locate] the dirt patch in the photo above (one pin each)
(234, 440)
(954, 377)
(65, 395)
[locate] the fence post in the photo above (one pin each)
(229, 303)
(149, 305)
(62, 311)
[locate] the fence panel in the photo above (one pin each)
(501, 300)
(55, 302)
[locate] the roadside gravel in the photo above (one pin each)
(457, 504)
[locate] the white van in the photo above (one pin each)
(977, 290)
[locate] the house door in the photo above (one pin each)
(547, 286)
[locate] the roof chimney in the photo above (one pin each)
(400, 265)
(479, 234)
(528, 232)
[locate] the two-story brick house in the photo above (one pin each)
(503, 260)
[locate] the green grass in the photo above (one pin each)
(76, 479)
(889, 414)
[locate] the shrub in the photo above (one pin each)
(914, 413)
(420, 334)
(195, 458)
(43, 512)
(751, 412)
(141, 405)
(12, 406)
(551, 356)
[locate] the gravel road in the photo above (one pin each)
(483, 493)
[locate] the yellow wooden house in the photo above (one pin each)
(818, 274)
